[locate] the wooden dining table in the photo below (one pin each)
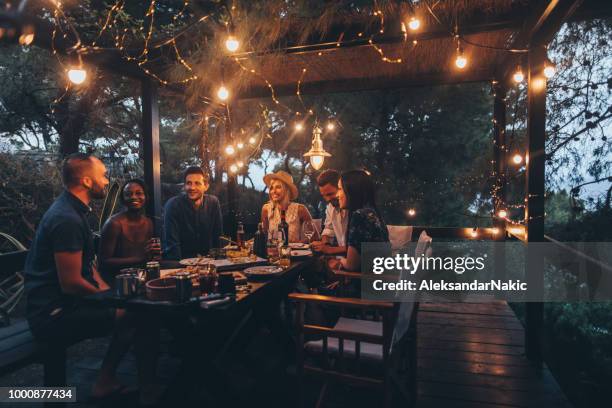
(225, 322)
(261, 290)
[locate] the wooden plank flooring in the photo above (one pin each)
(471, 355)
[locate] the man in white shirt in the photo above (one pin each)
(336, 219)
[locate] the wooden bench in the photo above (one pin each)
(18, 348)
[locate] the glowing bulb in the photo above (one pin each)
(549, 71)
(538, 83)
(474, 233)
(232, 44)
(240, 145)
(240, 164)
(233, 168)
(316, 162)
(77, 75)
(517, 159)
(252, 140)
(299, 127)
(26, 39)
(502, 213)
(414, 23)
(518, 76)
(412, 212)
(223, 93)
(330, 126)
(461, 61)
(230, 150)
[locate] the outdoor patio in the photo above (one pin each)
(461, 355)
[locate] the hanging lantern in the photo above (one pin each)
(317, 153)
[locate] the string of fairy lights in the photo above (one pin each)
(412, 23)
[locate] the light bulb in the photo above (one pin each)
(538, 83)
(230, 150)
(474, 233)
(316, 162)
(232, 44)
(549, 71)
(299, 127)
(240, 145)
(223, 93)
(330, 126)
(517, 159)
(27, 35)
(518, 76)
(414, 23)
(461, 61)
(252, 140)
(240, 164)
(502, 213)
(233, 168)
(412, 212)
(77, 75)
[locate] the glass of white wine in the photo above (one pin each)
(308, 230)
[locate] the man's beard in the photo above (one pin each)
(97, 192)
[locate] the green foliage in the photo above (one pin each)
(28, 186)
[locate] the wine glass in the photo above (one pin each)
(278, 237)
(309, 230)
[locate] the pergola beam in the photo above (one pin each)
(534, 198)
(539, 29)
(368, 84)
(151, 155)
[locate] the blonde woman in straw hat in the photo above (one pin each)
(282, 192)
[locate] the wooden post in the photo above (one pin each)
(231, 222)
(150, 139)
(534, 199)
(499, 167)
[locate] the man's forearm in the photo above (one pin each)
(79, 287)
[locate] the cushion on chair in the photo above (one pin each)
(368, 351)
(399, 235)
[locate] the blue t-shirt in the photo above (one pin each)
(189, 231)
(63, 228)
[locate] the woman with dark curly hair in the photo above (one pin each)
(126, 236)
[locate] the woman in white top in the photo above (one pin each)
(282, 193)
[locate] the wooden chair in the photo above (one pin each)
(386, 346)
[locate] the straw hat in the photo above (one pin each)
(286, 179)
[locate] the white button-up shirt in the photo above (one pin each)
(336, 222)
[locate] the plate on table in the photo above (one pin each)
(297, 253)
(195, 261)
(262, 271)
(298, 245)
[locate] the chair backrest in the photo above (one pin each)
(399, 235)
(423, 244)
(406, 313)
(110, 202)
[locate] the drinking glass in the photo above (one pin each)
(285, 257)
(309, 230)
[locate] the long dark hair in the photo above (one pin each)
(360, 192)
(359, 189)
(133, 181)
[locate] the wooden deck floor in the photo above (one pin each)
(472, 355)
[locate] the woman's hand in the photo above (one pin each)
(334, 264)
(153, 250)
